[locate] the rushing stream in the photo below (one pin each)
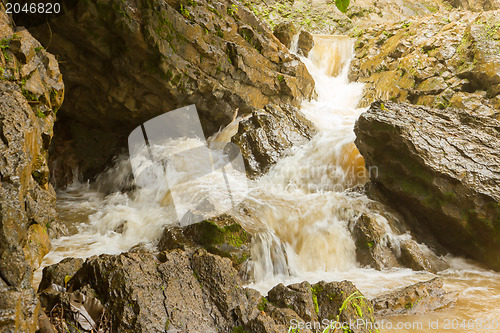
(299, 212)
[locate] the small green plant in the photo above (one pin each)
(262, 304)
(40, 114)
(342, 5)
(233, 9)
(185, 12)
(39, 48)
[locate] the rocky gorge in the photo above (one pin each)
(430, 130)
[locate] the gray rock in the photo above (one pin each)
(419, 298)
(298, 297)
(264, 136)
(440, 170)
(57, 274)
(222, 236)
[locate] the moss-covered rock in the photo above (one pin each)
(222, 236)
(444, 60)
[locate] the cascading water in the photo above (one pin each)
(299, 212)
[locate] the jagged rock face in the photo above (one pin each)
(265, 135)
(190, 292)
(419, 298)
(475, 5)
(128, 61)
(31, 91)
(442, 61)
(323, 17)
(440, 170)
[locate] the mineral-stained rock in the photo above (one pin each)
(419, 298)
(126, 62)
(440, 170)
(264, 136)
(31, 91)
(444, 60)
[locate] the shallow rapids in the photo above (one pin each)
(299, 212)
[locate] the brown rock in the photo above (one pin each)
(285, 32)
(31, 91)
(305, 43)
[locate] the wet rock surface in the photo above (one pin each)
(443, 61)
(440, 170)
(127, 61)
(419, 298)
(221, 236)
(323, 17)
(31, 92)
(265, 135)
(187, 291)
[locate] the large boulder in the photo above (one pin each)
(440, 170)
(125, 62)
(442, 61)
(265, 135)
(31, 92)
(338, 304)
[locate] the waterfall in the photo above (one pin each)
(299, 212)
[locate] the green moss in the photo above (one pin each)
(315, 301)
(262, 304)
(315, 290)
(239, 329)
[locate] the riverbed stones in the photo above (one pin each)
(285, 32)
(440, 170)
(221, 235)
